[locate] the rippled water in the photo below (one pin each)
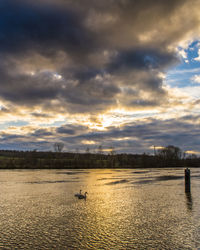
(125, 209)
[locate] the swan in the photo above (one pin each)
(77, 194)
(82, 196)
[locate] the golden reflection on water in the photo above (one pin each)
(105, 208)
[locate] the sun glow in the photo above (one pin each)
(192, 152)
(156, 147)
(88, 142)
(112, 118)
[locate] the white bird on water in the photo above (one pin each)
(77, 195)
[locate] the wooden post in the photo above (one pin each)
(187, 180)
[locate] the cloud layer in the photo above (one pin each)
(62, 58)
(96, 49)
(134, 137)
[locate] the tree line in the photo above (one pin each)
(169, 156)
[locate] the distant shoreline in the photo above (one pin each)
(62, 160)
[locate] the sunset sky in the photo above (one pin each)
(116, 73)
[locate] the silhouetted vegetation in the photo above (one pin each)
(167, 157)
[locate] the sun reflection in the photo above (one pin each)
(104, 203)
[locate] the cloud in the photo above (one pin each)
(42, 133)
(71, 129)
(40, 115)
(63, 58)
(95, 49)
(133, 137)
(198, 57)
(44, 28)
(195, 79)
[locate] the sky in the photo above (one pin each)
(121, 74)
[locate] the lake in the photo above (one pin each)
(124, 209)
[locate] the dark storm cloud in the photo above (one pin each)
(41, 133)
(42, 88)
(10, 137)
(40, 115)
(26, 89)
(141, 59)
(105, 46)
(71, 129)
(4, 111)
(25, 26)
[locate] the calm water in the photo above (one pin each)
(125, 209)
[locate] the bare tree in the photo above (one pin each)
(170, 153)
(58, 146)
(100, 149)
(87, 151)
(112, 150)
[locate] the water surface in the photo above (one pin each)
(125, 209)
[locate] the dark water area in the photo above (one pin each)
(126, 209)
